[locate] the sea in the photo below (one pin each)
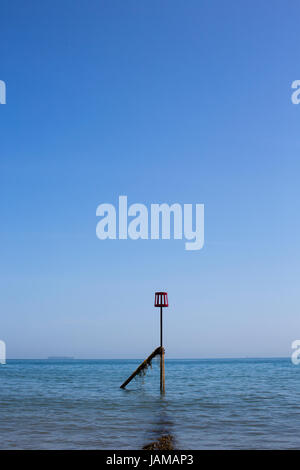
(208, 404)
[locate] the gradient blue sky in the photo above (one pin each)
(163, 101)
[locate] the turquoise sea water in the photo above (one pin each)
(209, 404)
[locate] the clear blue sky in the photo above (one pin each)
(163, 101)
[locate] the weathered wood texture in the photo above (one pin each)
(162, 355)
(162, 371)
(158, 351)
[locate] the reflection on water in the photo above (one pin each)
(162, 425)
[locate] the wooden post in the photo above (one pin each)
(161, 300)
(142, 366)
(162, 355)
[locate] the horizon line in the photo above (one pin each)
(71, 358)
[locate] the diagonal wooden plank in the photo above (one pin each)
(143, 365)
